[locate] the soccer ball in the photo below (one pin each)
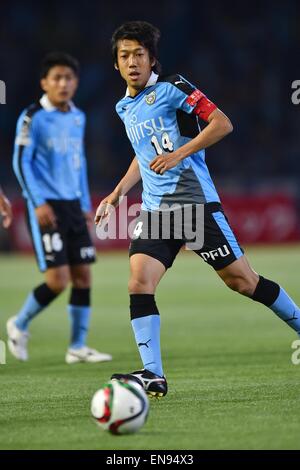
(120, 407)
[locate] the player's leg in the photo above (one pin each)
(240, 277)
(79, 309)
(56, 280)
(150, 257)
(50, 253)
(222, 251)
(145, 274)
(81, 254)
(149, 260)
(49, 247)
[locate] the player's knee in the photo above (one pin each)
(81, 277)
(58, 283)
(58, 287)
(140, 286)
(81, 282)
(242, 285)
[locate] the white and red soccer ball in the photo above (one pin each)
(120, 407)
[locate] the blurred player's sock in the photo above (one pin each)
(79, 310)
(273, 296)
(145, 321)
(36, 301)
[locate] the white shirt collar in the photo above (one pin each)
(152, 80)
(48, 106)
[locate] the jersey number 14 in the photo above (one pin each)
(165, 146)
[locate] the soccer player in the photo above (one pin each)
(161, 115)
(5, 210)
(50, 164)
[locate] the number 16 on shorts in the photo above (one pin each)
(52, 242)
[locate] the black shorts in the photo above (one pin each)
(68, 244)
(219, 246)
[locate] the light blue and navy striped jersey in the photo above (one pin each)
(161, 118)
(49, 159)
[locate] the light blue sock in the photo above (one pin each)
(30, 309)
(287, 310)
(80, 316)
(147, 335)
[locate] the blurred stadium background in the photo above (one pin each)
(243, 56)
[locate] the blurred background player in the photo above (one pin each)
(50, 164)
(161, 117)
(5, 210)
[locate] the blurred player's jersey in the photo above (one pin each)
(161, 118)
(49, 159)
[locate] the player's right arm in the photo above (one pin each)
(130, 179)
(24, 151)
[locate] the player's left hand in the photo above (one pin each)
(164, 162)
(89, 218)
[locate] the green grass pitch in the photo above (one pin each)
(232, 384)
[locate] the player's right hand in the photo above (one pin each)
(46, 216)
(106, 206)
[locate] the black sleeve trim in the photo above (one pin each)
(179, 82)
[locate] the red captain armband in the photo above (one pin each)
(203, 106)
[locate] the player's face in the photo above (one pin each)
(134, 64)
(60, 84)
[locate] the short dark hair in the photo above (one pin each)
(58, 58)
(145, 33)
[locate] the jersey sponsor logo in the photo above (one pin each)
(87, 252)
(133, 120)
(64, 144)
(140, 130)
(150, 99)
(193, 99)
(218, 252)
